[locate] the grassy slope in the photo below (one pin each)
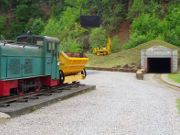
(125, 56)
(178, 104)
(175, 77)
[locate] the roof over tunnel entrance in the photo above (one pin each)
(159, 59)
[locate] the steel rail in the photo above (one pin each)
(6, 101)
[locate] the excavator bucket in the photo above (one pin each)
(90, 21)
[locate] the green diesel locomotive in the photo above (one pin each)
(28, 64)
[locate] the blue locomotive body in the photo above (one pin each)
(29, 63)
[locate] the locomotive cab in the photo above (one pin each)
(28, 64)
(51, 52)
(50, 47)
(30, 40)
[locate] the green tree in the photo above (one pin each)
(111, 13)
(66, 28)
(136, 9)
(98, 38)
(144, 28)
(115, 44)
(52, 28)
(173, 24)
(2, 23)
(36, 26)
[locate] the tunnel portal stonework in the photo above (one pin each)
(162, 54)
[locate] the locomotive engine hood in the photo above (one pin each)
(19, 50)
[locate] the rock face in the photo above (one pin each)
(127, 67)
(140, 74)
(4, 116)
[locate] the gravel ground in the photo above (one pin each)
(121, 105)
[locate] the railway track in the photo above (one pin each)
(7, 101)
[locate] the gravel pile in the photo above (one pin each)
(121, 105)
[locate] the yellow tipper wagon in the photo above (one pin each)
(72, 66)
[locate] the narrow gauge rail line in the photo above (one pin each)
(6, 101)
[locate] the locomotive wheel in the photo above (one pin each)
(38, 85)
(61, 76)
(20, 93)
(84, 73)
(21, 88)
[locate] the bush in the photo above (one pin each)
(22, 13)
(135, 40)
(173, 33)
(66, 29)
(115, 44)
(52, 28)
(111, 12)
(136, 9)
(17, 28)
(145, 23)
(139, 7)
(2, 24)
(112, 16)
(148, 27)
(2, 27)
(70, 45)
(98, 38)
(173, 36)
(144, 28)
(152, 7)
(36, 26)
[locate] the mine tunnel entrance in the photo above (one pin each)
(159, 65)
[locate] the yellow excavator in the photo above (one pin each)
(92, 21)
(105, 50)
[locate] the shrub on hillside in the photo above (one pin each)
(52, 28)
(144, 24)
(66, 29)
(115, 44)
(151, 7)
(173, 19)
(70, 45)
(136, 9)
(148, 27)
(36, 26)
(2, 23)
(112, 16)
(135, 40)
(144, 28)
(111, 12)
(98, 38)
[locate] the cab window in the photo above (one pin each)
(24, 40)
(31, 40)
(51, 46)
(38, 41)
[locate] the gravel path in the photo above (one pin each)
(121, 105)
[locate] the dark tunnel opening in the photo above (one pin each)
(159, 65)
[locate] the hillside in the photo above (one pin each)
(125, 56)
(133, 21)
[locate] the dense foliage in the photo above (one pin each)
(150, 19)
(149, 26)
(98, 38)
